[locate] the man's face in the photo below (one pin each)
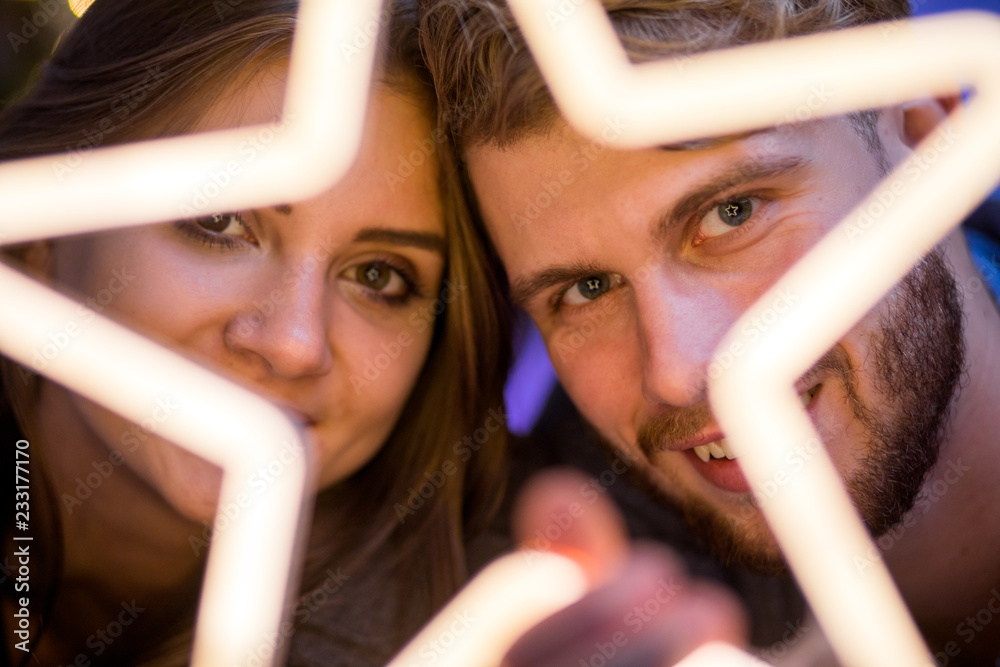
(634, 264)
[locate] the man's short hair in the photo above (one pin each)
(491, 92)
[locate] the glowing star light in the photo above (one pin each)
(837, 282)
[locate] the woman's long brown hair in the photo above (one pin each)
(133, 69)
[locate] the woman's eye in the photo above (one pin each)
(225, 224)
(219, 230)
(727, 216)
(590, 288)
(382, 278)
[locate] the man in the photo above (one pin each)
(636, 263)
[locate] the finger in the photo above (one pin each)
(559, 510)
(649, 615)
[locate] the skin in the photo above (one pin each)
(676, 618)
(293, 309)
(641, 351)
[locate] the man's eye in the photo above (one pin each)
(727, 216)
(590, 288)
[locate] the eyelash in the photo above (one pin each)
(413, 290)
(193, 230)
(556, 300)
(715, 203)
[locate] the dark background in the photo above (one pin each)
(19, 60)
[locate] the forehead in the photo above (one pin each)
(394, 178)
(544, 189)
(253, 98)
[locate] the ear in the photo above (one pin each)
(922, 116)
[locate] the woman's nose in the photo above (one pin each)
(286, 327)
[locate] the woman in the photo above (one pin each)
(298, 302)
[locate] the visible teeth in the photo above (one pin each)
(725, 448)
(714, 450)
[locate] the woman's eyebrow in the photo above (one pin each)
(423, 240)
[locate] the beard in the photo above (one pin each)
(917, 353)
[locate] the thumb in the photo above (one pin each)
(560, 510)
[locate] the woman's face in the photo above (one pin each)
(323, 306)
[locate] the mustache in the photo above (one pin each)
(673, 426)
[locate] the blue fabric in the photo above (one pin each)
(985, 251)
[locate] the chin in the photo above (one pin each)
(198, 505)
(192, 487)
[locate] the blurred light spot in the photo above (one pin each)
(78, 7)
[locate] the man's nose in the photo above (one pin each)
(680, 325)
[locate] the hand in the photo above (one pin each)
(643, 610)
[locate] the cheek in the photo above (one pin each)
(600, 370)
(189, 483)
(141, 283)
(381, 364)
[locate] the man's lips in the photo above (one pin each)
(710, 443)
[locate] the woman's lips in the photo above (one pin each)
(298, 415)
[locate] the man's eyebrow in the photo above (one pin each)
(713, 142)
(423, 240)
(524, 289)
(745, 172)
